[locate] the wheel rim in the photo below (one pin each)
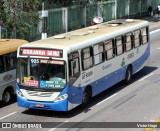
(6, 97)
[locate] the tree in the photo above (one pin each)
(19, 16)
(67, 3)
(60, 3)
(2, 13)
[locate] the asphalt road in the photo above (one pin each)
(136, 102)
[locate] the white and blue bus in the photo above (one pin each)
(64, 71)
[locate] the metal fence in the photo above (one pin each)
(70, 18)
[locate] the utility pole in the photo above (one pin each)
(128, 8)
(115, 9)
(84, 15)
(140, 8)
(44, 19)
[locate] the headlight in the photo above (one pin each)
(20, 94)
(60, 98)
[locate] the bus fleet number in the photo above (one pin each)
(35, 61)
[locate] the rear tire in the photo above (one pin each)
(6, 98)
(128, 76)
(86, 97)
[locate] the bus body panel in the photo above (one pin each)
(7, 81)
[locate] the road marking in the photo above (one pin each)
(58, 126)
(146, 77)
(8, 115)
(107, 99)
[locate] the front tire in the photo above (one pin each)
(6, 98)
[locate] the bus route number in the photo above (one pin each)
(34, 61)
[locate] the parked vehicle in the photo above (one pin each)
(8, 63)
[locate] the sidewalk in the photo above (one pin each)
(154, 22)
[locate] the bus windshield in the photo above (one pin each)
(41, 73)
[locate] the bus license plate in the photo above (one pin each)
(39, 105)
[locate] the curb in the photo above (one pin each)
(154, 31)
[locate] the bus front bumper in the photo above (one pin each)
(55, 106)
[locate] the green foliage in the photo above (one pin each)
(19, 16)
(67, 3)
(103, 0)
(2, 13)
(60, 3)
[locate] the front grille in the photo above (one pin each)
(39, 94)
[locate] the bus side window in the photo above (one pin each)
(74, 68)
(1, 64)
(87, 58)
(137, 41)
(6, 60)
(10, 61)
(144, 32)
(119, 45)
(24, 65)
(13, 60)
(98, 53)
(109, 49)
(128, 42)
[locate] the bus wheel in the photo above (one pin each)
(128, 76)
(86, 97)
(6, 97)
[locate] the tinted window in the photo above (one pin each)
(87, 58)
(8, 62)
(137, 38)
(98, 53)
(109, 49)
(128, 40)
(119, 45)
(144, 35)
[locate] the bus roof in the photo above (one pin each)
(81, 38)
(10, 45)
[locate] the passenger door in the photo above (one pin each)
(74, 78)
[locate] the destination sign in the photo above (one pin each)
(41, 52)
(52, 62)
